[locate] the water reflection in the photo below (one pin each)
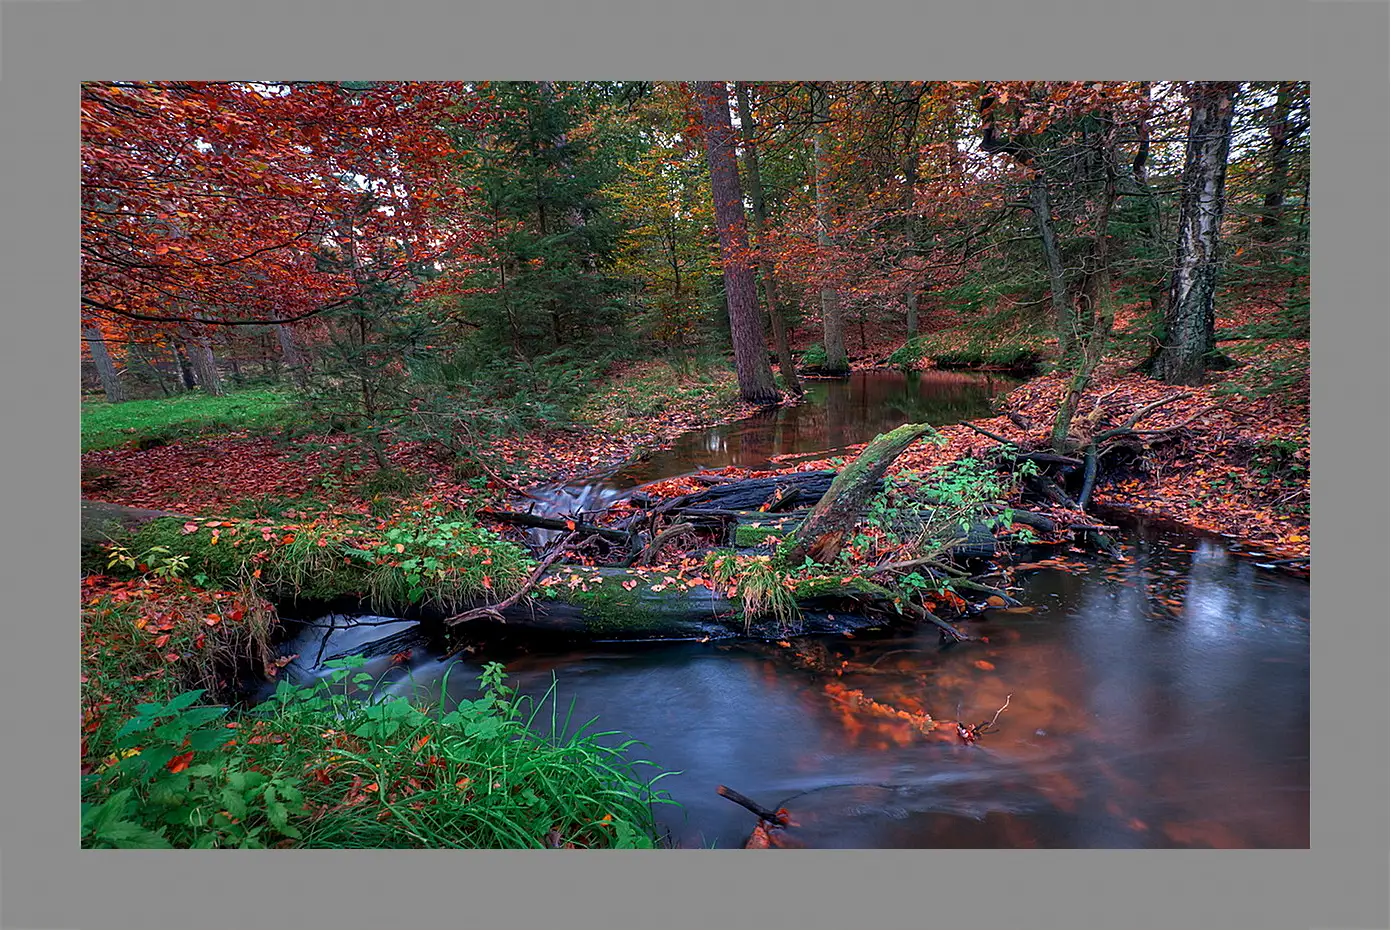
(1130, 724)
(834, 414)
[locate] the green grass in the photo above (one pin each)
(335, 765)
(105, 426)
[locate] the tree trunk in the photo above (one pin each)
(759, 218)
(200, 349)
(822, 534)
(910, 224)
(1101, 306)
(750, 352)
(1188, 338)
(185, 369)
(106, 368)
(294, 358)
(1279, 158)
(833, 337)
(1064, 320)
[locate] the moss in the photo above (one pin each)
(609, 608)
(832, 585)
(746, 535)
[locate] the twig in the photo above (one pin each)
(751, 805)
(991, 724)
(645, 555)
(495, 610)
(970, 585)
(1137, 416)
(986, 433)
(923, 613)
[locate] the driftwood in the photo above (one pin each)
(754, 807)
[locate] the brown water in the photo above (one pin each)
(1160, 702)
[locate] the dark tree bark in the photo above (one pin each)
(750, 352)
(1279, 171)
(106, 368)
(910, 199)
(205, 366)
(181, 360)
(759, 219)
(832, 326)
(1188, 340)
(1064, 320)
(294, 358)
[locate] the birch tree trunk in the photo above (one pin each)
(746, 331)
(106, 368)
(759, 219)
(832, 327)
(1188, 339)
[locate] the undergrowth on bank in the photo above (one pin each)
(335, 765)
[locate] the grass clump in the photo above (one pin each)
(761, 583)
(105, 426)
(319, 766)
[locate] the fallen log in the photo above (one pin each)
(751, 493)
(552, 523)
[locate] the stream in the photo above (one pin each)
(1158, 702)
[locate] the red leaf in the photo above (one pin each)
(180, 762)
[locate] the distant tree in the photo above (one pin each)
(746, 330)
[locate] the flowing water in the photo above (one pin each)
(1158, 702)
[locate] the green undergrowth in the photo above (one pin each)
(431, 561)
(337, 764)
(994, 342)
(165, 419)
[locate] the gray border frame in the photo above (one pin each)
(46, 48)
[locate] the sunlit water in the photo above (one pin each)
(1160, 702)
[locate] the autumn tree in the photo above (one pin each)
(831, 323)
(667, 250)
(759, 218)
(746, 331)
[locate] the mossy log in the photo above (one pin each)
(823, 533)
(104, 523)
